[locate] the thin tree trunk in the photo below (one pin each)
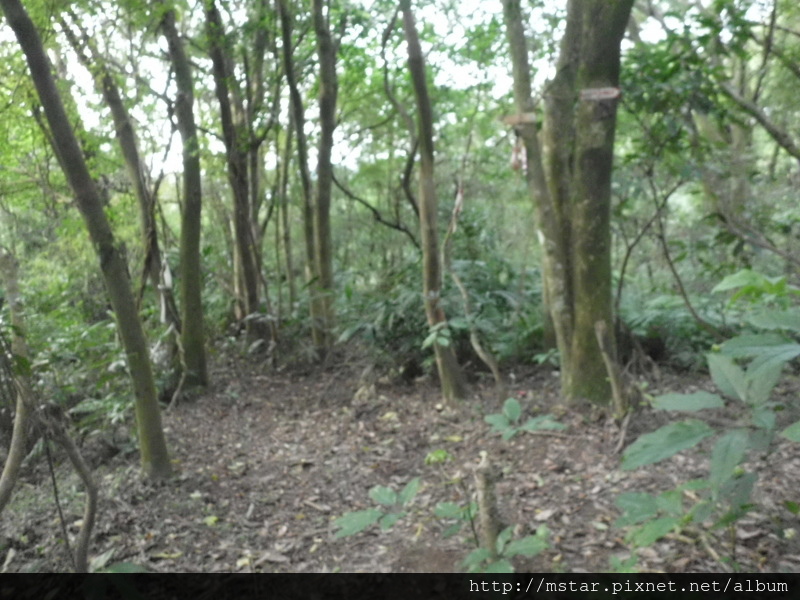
(328, 90)
(286, 229)
(235, 136)
(191, 282)
(450, 375)
(154, 456)
(298, 115)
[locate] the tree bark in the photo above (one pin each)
(569, 177)
(450, 375)
(154, 456)
(191, 282)
(235, 136)
(328, 90)
(299, 120)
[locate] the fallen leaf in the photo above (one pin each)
(273, 557)
(543, 515)
(167, 555)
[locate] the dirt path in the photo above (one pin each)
(267, 460)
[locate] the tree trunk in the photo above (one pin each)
(191, 282)
(155, 459)
(569, 177)
(299, 119)
(235, 136)
(286, 229)
(328, 89)
(450, 376)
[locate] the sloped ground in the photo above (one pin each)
(266, 460)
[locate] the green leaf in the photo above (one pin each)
(458, 323)
(738, 490)
(542, 422)
(125, 567)
(764, 417)
(408, 492)
(475, 558)
(383, 495)
(389, 519)
(653, 531)
(512, 410)
(694, 485)
(688, 402)
(761, 380)
(447, 510)
(529, 546)
(356, 522)
(665, 442)
(702, 511)
(452, 530)
(792, 507)
(498, 421)
(670, 502)
(784, 319)
(727, 376)
(751, 344)
(728, 453)
(743, 278)
(438, 457)
(636, 507)
(510, 433)
(499, 566)
(428, 341)
(624, 566)
(772, 358)
(502, 539)
(792, 432)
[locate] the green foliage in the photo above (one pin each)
(355, 522)
(665, 320)
(389, 314)
(394, 506)
(745, 370)
(480, 560)
(507, 423)
(620, 565)
(437, 457)
(440, 335)
(756, 287)
(665, 442)
(460, 515)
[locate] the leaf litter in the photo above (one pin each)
(267, 459)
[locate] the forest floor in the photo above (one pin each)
(267, 459)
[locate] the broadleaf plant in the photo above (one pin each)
(355, 522)
(745, 370)
(507, 422)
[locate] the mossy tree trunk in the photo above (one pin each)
(154, 456)
(450, 375)
(569, 177)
